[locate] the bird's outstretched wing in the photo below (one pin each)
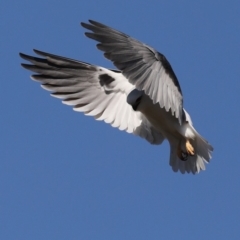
(94, 90)
(143, 66)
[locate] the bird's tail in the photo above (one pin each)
(194, 163)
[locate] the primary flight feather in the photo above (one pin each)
(143, 97)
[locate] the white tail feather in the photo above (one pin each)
(194, 163)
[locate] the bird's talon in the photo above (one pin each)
(184, 156)
(189, 148)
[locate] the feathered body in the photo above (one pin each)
(143, 97)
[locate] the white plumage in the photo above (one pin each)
(143, 97)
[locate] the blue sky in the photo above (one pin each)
(66, 176)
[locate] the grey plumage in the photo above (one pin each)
(139, 63)
(84, 86)
(143, 97)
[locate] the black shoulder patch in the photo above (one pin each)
(105, 79)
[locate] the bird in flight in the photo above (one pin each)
(142, 96)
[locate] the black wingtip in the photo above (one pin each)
(28, 57)
(25, 56)
(91, 24)
(92, 21)
(27, 66)
(85, 25)
(22, 55)
(98, 24)
(39, 52)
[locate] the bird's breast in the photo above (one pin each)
(162, 121)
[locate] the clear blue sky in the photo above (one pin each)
(66, 176)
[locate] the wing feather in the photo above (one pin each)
(96, 91)
(134, 59)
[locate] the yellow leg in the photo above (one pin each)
(189, 148)
(184, 155)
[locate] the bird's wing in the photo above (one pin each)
(143, 66)
(94, 90)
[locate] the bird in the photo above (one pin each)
(142, 96)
